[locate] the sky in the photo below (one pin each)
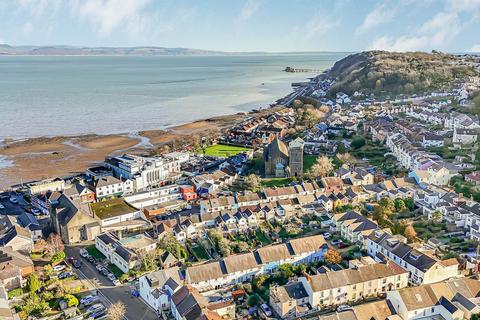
(246, 25)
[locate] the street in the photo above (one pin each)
(136, 309)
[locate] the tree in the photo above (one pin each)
(387, 205)
(346, 158)
(437, 215)
(171, 244)
(410, 233)
(71, 300)
(33, 283)
(223, 247)
(116, 311)
(358, 142)
(321, 168)
(252, 182)
(332, 256)
(286, 271)
(409, 203)
(253, 300)
(54, 243)
(399, 205)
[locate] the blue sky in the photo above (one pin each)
(246, 25)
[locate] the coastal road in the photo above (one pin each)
(136, 309)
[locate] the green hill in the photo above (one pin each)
(384, 72)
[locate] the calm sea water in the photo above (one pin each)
(48, 96)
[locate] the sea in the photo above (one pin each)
(66, 95)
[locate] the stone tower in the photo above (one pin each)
(295, 150)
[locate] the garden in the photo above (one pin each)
(222, 150)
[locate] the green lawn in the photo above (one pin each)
(263, 237)
(115, 270)
(199, 252)
(308, 162)
(275, 182)
(221, 150)
(97, 255)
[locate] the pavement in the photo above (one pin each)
(109, 293)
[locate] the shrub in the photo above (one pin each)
(71, 300)
(15, 293)
(253, 300)
(59, 256)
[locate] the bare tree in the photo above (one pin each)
(322, 168)
(116, 311)
(346, 158)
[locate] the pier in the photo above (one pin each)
(305, 70)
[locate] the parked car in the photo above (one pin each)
(77, 263)
(343, 307)
(116, 282)
(59, 267)
(99, 267)
(342, 245)
(336, 242)
(326, 235)
(111, 276)
(35, 211)
(105, 272)
(84, 253)
(91, 300)
(2, 206)
(13, 200)
(266, 309)
(95, 307)
(65, 274)
(87, 298)
(91, 259)
(98, 314)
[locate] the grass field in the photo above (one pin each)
(221, 150)
(275, 182)
(97, 255)
(263, 237)
(199, 252)
(308, 162)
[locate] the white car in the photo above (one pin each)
(2, 206)
(343, 307)
(84, 253)
(326, 235)
(59, 267)
(266, 309)
(13, 200)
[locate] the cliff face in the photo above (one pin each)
(384, 72)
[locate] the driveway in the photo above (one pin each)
(136, 309)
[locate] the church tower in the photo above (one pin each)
(295, 150)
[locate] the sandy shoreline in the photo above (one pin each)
(44, 157)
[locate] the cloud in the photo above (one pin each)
(379, 15)
(319, 24)
(249, 8)
(27, 28)
(434, 33)
(107, 15)
(475, 48)
(38, 8)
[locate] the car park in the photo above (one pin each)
(266, 309)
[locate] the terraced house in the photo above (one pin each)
(337, 287)
(240, 268)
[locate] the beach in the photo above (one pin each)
(46, 157)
